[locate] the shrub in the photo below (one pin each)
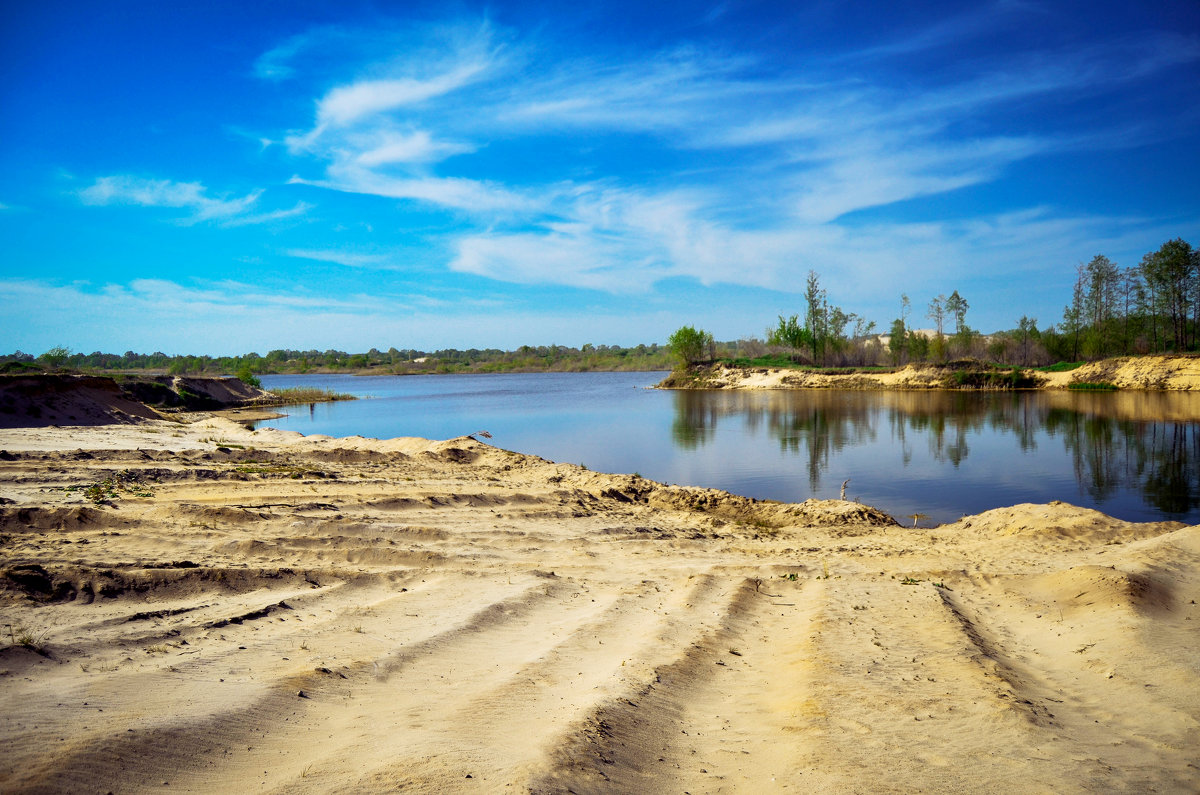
(689, 345)
(992, 379)
(246, 376)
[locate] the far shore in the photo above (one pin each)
(1149, 373)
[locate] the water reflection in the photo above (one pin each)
(1116, 445)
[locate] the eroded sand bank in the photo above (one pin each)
(1154, 373)
(274, 613)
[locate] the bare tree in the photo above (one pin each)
(937, 312)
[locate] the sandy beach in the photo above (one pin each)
(228, 608)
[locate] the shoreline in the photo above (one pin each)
(1170, 373)
(326, 613)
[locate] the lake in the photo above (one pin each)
(1133, 455)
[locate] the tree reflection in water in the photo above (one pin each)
(1148, 442)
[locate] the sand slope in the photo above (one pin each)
(313, 615)
(50, 399)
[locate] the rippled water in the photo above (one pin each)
(940, 454)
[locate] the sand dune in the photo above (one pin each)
(260, 610)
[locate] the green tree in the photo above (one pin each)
(937, 313)
(788, 334)
(1074, 315)
(1101, 284)
(898, 341)
(690, 345)
(247, 376)
(836, 321)
(1026, 329)
(56, 357)
(814, 317)
(957, 307)
(1171, 274)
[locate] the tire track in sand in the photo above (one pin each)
(252, 719)
(510, 729)
(713, 718)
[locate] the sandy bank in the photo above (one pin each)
(203, 607)
(47, 399)
(1159, 373)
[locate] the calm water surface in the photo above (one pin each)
(942, 454)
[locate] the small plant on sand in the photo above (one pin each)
(27, 638)
(1060, 367)
(100, 491)
(910, 581)
(128, 481)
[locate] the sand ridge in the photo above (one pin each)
(295, 614)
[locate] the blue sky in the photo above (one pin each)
(224, 177)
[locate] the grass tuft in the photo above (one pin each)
(291, 396)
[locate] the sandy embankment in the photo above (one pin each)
(70, 399)
(1157, 373)
(310, 615)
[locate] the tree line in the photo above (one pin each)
(1151, 307)
(394, 361)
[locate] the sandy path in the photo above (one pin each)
(290, 615)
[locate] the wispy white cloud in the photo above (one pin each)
(383, 147)
(275, 64)
(192, 196)
(978, 20)
(453, 58)
(346, 104)
(448, 192)
(668, 91)
(353, 259)
(299, 209)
